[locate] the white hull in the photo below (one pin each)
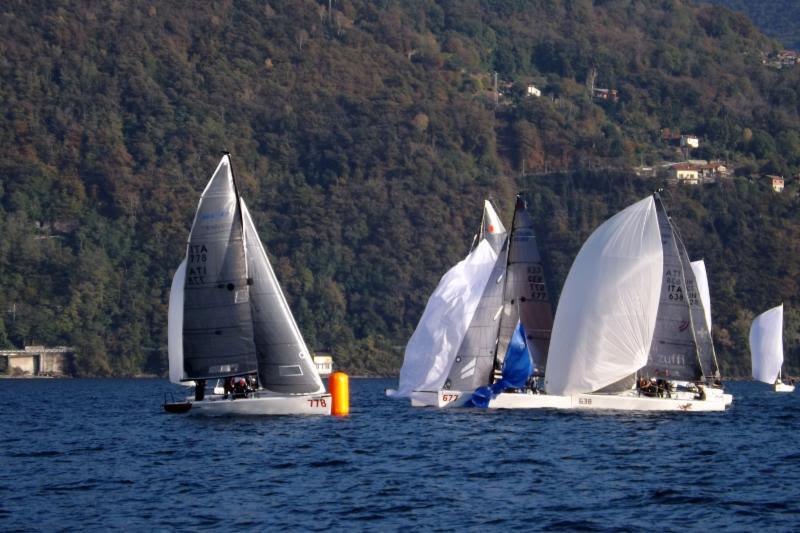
(715, 400)
(783, 387)
(304, 404)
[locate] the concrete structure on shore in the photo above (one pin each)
(37, 361)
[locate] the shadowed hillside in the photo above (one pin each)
(365, 138)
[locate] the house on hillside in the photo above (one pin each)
(697, 171)
(532, 90)
(776, 182)
(610, 95)
(690, 141)
(687, 173)
(788, 58)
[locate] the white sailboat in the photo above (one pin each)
(432, 349)
(766, 349)
(629, 332)
(229, 320)
(508, 299)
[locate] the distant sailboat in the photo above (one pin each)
(766, 349)
(229, 320)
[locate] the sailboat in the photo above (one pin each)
(766, 349)
(629, 332)
(229, 320)
(509, 302)
(432, 348)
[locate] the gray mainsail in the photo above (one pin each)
(525, 297)
(217, 319)
(284, 362)
(673, 352)
(472, 366)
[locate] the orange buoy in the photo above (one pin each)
(339, 388)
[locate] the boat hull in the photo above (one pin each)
(306, 404)
(783, 387)
(713, 400)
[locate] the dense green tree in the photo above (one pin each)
(364, 142)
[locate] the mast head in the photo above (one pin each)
(520, 202)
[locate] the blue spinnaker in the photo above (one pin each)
(517, 368)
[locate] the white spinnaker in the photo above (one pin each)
(766, 345)
(607, 311)
(699, 269)
(492, 228)
(491, 220)
(175, 326)
(432, 348)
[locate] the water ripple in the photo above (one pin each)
(100, 455)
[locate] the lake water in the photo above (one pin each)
(101, 454)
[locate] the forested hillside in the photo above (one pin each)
(777, 18)
(365, 137)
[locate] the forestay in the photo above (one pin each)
(284, 362)
(431, 350)
(766, 345)
(607, 311)
(217, 321)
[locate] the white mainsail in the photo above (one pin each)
(766, 345)
(432, 348)
(699, 269)
(175, 326)
(607, 311)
